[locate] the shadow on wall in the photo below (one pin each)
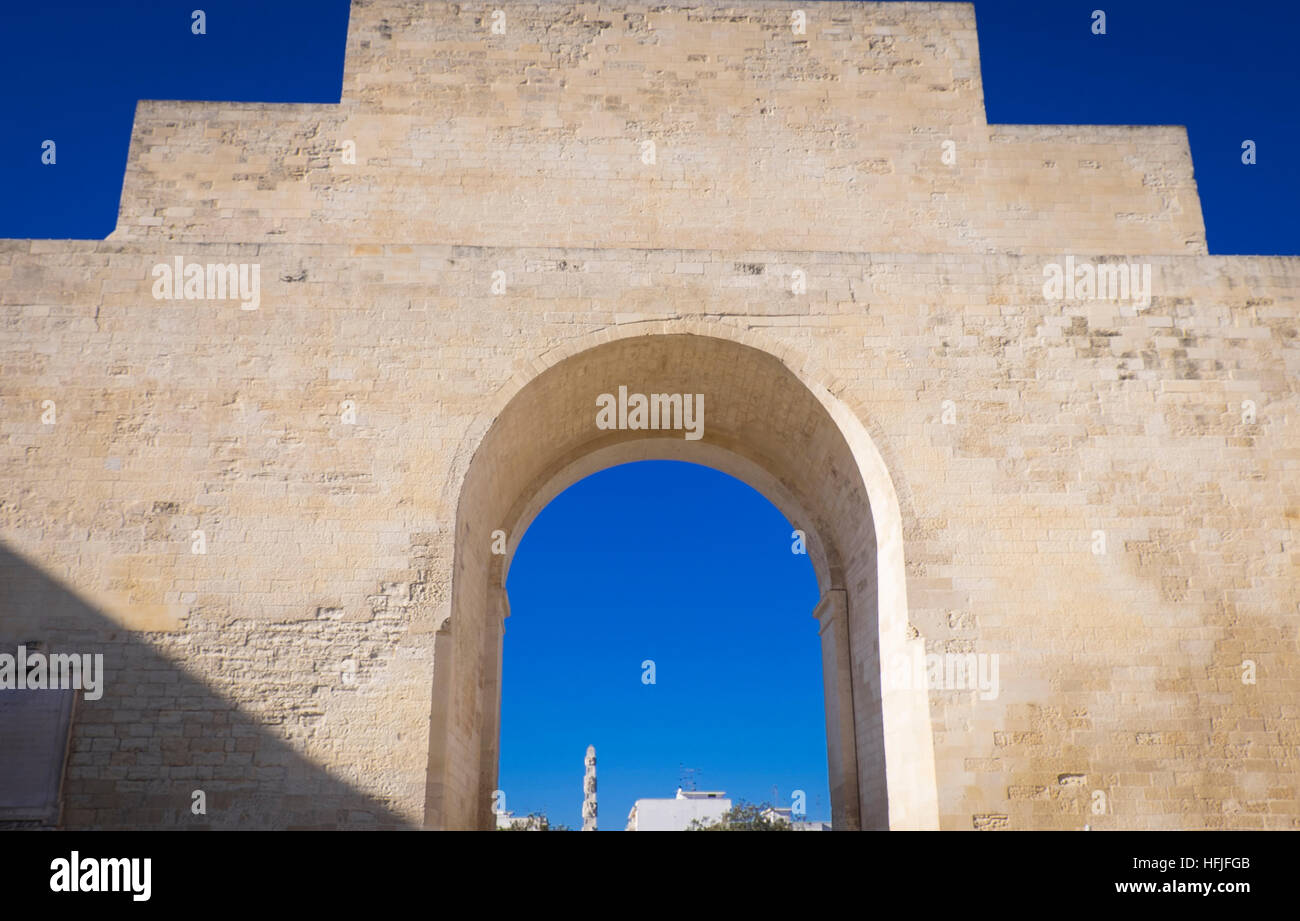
(157, 734)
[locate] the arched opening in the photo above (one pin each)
(657, 612)
(788, 438)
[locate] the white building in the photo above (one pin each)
(676, 814)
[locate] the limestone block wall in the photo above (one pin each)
(326, 542)
(289, 671)
(763, 139)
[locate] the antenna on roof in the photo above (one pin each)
(686, 777)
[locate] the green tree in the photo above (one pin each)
(534, 821)
(744, 816)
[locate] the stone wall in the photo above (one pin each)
(764, 139)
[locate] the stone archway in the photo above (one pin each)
(765, 423)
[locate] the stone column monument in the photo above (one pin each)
(589, 791)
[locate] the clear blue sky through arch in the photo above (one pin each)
(692, 569)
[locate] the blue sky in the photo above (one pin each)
(687, 567)
(658, 561)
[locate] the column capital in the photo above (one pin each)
(831, 608)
